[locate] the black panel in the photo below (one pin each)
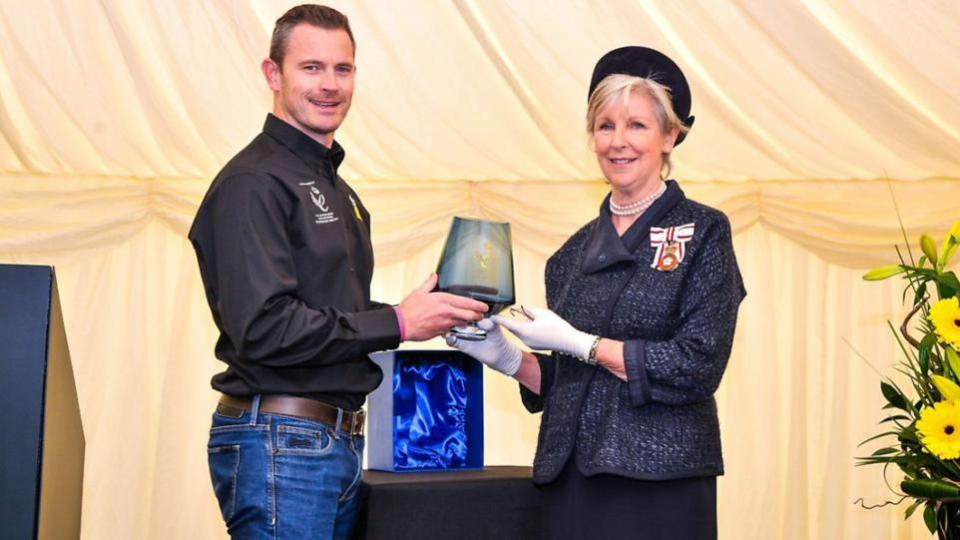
(41, 437)
(24, 320)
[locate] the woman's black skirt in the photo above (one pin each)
(607, 506)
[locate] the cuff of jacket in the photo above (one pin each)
(635, 359)
(534, 402)
(378, 328)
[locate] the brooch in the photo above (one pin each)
(670, 243)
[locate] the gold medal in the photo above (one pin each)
(670, 258)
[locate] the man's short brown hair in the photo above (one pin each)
(314, 14)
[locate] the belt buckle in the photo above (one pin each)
(359, 418)
(228, 411)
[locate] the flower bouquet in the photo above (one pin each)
(924, 424)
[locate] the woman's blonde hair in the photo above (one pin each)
(621, 86)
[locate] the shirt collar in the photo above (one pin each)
(605, 248)
(314, 154)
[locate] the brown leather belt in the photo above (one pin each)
(310, 409)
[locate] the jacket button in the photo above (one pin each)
(602, 257)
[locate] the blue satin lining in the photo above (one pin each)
(430, 416)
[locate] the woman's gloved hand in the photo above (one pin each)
(495, 351)
(547, 331)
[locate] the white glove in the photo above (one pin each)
(495, 351)
(547, 331)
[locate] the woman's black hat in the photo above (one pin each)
(649, 64)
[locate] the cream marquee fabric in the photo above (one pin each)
(812, 117)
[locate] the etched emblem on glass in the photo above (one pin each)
(477, 262)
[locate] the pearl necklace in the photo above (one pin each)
(637, 206)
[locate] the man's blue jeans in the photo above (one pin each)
(282, 477)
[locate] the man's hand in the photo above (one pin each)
(429, 314)
(495, 351)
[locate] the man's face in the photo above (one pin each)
(313, 90)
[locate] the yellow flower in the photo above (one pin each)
(945, 316)
(947, 388)
(883, 272)
(929, 248)
(939, 428)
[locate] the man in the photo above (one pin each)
(283, 245)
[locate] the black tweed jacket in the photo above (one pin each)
(677, 327)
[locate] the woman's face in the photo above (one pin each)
(629, 144)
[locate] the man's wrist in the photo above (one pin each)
(401, 323)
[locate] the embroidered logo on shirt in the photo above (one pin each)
(671, 245)
(320, 200)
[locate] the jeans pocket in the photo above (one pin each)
(356, 448)
(303, 441)
(224, 462)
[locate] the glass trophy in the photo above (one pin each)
(477, 262)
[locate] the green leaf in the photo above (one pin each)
(909, 434)
(894, 396)
(921, 292)
(875, 437)
(886, 460)
(915, 272)
(896, 417)
(947, 285)
(899, 460)
(912, 508)
(930, 489)
(928, 341)
(930, 518)
(884, 451)
(924, 360)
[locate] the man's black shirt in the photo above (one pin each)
(285, 256)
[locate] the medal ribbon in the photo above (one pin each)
(662, 237)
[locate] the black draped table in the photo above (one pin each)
(498, 502)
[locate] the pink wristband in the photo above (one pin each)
(400, 323)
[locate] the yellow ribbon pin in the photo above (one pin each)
(356, 209)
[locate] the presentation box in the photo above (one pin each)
(427, 414)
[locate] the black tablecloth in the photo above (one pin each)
(498, 503)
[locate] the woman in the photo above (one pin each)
(643, 304)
